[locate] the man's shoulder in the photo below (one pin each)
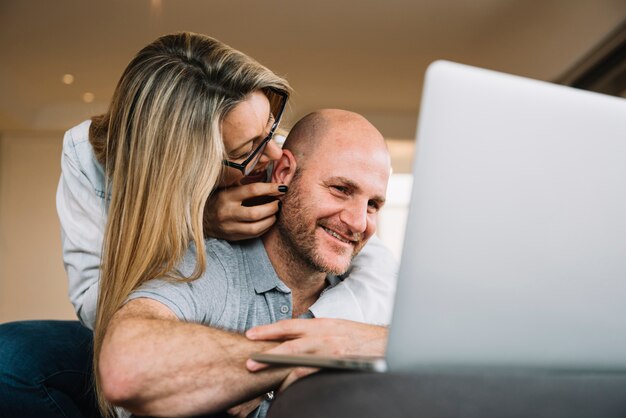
(221, 252)
(218, 254)
(222, 258)
(217, 244)
(226, 263)
(235, 249)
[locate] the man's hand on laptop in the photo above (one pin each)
(321, 337)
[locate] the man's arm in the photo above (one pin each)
(151, 363)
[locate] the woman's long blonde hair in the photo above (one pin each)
(161, 145)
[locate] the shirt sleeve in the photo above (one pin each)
(82, 216)
(177, 296)
(367, 291)
(201, 300)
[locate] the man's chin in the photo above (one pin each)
(336, 265)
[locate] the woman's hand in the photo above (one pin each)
(229, 213)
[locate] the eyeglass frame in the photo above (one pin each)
(242, 166)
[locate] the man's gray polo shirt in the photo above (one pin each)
(238, 290)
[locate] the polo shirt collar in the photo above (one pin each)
(265, 277)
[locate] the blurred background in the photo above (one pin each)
(60, 61)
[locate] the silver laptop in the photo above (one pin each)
(515, 248)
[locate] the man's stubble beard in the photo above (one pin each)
(297, 233)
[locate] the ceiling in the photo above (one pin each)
(363, 55)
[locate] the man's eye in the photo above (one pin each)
(340, 189)
(373, 205)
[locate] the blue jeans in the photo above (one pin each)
(46, 370)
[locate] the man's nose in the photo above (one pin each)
(355, 216)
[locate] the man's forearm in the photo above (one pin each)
(159, 366)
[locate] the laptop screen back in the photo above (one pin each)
(515, 249)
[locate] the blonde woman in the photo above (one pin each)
(190, 118)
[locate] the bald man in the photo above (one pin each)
(176, 348)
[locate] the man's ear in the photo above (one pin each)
(284, 168)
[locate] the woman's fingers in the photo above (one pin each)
(247, 191)
(228, 214)
(247, 230)
(255, 213)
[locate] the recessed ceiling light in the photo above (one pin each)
(67, 79)
(88, 97)
(156, 7)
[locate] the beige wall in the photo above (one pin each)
(32, 279)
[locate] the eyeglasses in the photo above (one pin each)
(253, 158)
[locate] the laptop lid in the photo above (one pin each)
(515, 249)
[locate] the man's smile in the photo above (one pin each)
(337, 236)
